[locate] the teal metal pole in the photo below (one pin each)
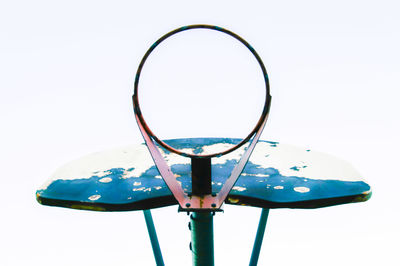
(259, 237)
(202, 245)
(153, 238)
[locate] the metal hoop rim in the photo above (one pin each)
(135, 97)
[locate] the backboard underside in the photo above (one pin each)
(276, 176)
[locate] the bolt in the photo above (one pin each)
(188, 204)
(213, 205)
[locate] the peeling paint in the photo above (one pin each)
(105, 180)
(301, 189)
(94, 197)
(256, 175)
(239, 188)
(131, 175)
(102, 173)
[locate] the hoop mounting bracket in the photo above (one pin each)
(201, 198)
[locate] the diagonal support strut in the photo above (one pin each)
(153, 238)
(259, 237)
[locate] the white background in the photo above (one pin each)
(66, 80)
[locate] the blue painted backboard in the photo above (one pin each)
(276, 176)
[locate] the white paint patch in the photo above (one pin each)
(94, 197)
(255, 175)
(139, 189)
(320, 166)
(105, 180)
(157, 188)
(135, 156)
(46, 184)
(172, 158)
(301, 189)
(216, 148)
(239, 188)
(137, 183)
(219, 147)
(278, 187)
(101, 173)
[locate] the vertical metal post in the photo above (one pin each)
(202, 245)
(259, 237)
(153, 238)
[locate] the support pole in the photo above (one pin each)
(259, 237)
(153, 238)
(202, 245)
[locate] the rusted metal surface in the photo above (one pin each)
(162, 166)
(230, 182)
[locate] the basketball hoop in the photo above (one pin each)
(142, 123)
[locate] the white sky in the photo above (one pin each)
(66, 80)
